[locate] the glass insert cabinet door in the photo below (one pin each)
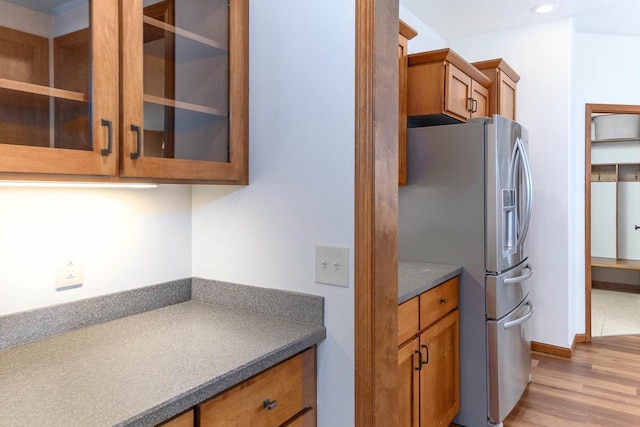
(185, 89)
(58, 87)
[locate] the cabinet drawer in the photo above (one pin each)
(184, 420)
(304, 419)
(438, 301)
(290, 386)
(408, 316)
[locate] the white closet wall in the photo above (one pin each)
(603, 219)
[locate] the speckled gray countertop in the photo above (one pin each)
(144, 368)
(416, 277)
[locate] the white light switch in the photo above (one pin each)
(69, 272)
(332, 265)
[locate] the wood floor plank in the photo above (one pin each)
(598, 386)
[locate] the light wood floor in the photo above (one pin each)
(598, 386)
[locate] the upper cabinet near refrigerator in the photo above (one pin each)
(444, 88)
(144, 91)
(502, 92)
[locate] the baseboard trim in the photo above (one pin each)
(577, 339)
(557, 350)
(551, 349)
(614, 286)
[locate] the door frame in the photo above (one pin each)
(376, 213)
(590, 109)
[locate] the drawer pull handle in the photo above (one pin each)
(425, 361)
(444, 301)
(269, 405)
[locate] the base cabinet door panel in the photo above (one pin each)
(429, 360)
(439, 376)
(408, 384)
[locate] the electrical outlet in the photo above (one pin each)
(332, 265)
(69, 272)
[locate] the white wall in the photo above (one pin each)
(427, 39)
(127, 238)
(541, 54)
(301, 177)
(605, 73)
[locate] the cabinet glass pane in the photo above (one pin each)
(44, 73)
(186, 79)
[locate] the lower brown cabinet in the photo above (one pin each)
(183, 420)
(429, 359)
(283, 395)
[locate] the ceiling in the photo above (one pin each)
(50, 7)
(461, 18)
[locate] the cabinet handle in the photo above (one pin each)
(425, 361)
(443, 300)
(470, 108)
(637, 227)
(475, 106)
(419, 367)
(106, 151)
(136, 154)
(269, 405)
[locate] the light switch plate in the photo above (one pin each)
(332, 265)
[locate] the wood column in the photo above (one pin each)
(376, 212)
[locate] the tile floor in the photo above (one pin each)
(614, 313)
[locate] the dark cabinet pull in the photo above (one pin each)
(136, 154)
(474, 109)
(470, 108)
(443, 300)
(637, 227)
(269, 405)
(425, 361)
(419, 367)
(106, 151)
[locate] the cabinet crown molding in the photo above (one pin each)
(407, 31)
(500, 64)
(448, 55)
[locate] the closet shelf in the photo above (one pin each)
(613, 140)
(624, 264)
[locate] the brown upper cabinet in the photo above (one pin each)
(59, 88)
(444, 88)
(124, 90)
(406, 33)
(502, 92)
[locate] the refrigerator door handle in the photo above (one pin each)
(529, 189)
(522, 278)
(519, 159)
(522, 319)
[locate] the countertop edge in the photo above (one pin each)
(437, 275)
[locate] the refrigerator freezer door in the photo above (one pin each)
(506, 290)
(509, 194)
(509, 346)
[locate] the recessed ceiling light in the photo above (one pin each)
(543, 8)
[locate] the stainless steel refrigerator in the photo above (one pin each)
(468, 201)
